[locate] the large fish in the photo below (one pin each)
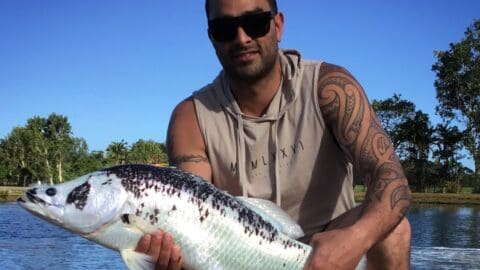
(116, 206)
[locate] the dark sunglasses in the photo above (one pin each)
(255, 25)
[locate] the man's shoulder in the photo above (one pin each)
(185, 106)
(327, 69)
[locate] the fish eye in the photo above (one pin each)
(51, 192)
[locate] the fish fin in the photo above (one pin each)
(136, 260)
(141, 224)
(275, 215)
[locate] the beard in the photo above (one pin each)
(250, 71)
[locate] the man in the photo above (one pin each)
(275, 126)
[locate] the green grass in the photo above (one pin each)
(437, 198)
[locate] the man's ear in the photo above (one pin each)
(279, 21)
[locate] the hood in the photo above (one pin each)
(290, 61)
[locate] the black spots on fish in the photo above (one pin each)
(203, 215)
(289, 244)
(173, 209)
(79, 195)
(139, 210)
(51, 191)
(170, 182)
(108, 182)
(153, 218)
(125, 219)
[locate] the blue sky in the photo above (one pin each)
(117, 68)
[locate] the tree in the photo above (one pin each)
(392, 112)
(58, 133)
(448, 143)
(84, 163)
(415, 137)
(15, 151)
(39, 148)
(149, 152)
(38, 151)
(458, 88)
(80, 161)
(117, 152)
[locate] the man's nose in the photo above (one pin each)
(242, 36)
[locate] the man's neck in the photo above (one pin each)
(253, 98)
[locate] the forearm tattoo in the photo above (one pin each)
(190, 158)
(359, 133)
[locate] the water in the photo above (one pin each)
(444, 237)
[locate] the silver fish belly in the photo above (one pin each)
(214, 229)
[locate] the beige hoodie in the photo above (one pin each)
(287, 155)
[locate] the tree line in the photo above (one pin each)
(46, 150)
(431, 154)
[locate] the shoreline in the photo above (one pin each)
(437, 198)
(10, 194)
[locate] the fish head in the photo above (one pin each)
(82, 205)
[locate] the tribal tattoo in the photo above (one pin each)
(190, 158)
(361, 136)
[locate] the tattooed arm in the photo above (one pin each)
(350, 118)
(185, 145)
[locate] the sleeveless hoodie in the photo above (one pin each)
(286, 156)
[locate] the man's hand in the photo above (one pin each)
(160, 246)
(335, 249)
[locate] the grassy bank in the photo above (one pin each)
(437, 198)
(10, 194)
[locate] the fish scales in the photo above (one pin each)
(213, 229)
(139, 179)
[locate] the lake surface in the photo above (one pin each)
(444, 237)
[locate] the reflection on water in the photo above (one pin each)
(443, 237)
(445, 258)
(445, 226)
(27, 242)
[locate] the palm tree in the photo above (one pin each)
(448, 142)
(415, 135)
(117, 152)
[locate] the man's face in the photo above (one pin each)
(246, 57)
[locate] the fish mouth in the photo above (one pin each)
(30, 197)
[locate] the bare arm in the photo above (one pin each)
(185, 144)
(350, 118)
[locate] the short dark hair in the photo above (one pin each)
(273, 6)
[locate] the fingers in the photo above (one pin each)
(144, 244)
(164, 253)
(176, 258)
(161, 247)
(156, 246)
